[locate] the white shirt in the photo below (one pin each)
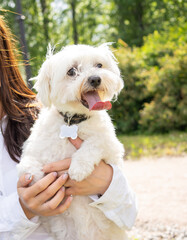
(118, 203)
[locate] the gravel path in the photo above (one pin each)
(161, 189)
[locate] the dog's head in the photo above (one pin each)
(79, 76)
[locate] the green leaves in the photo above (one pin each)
(150, 37)
(155, 84)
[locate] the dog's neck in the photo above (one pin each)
(71, 119)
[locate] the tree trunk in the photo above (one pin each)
(140, 15)
(45, 19)
(74, 23)
(23, 43)
(139, 12)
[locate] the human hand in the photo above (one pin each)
(43, 198)
(96, 183)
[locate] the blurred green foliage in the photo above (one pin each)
(156, 145)
(155, 75)
(136, 19)
(150, 43)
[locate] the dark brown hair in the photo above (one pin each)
(18, 101)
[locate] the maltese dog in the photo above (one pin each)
(76, 86)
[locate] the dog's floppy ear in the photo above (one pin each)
(42, 84)
(114, 64)
(108, 52)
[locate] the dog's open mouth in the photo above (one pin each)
(92, 101)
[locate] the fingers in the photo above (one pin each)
(52, 189)
(24, 180)
(42, 184)
(56, 200)
(62, 172)
(69, 183)
(76, 142)
(57, 166)
(70, 191)
(76, 189)
(63, 207)
(73, 187)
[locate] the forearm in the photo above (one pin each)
(13, 222)
(118, 203)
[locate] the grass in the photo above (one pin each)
(172, 144)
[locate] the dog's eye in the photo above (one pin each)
(72, 72)
(99, 65)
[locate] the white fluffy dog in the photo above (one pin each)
(75, 86)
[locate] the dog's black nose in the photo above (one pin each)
(94, 81)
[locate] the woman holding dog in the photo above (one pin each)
(21, 204)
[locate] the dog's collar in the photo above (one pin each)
(73, 119)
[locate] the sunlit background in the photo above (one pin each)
(149, 39)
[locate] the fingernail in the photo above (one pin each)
(63, 189)
(44, 169)
(28, 177)
(54, 174)
(65, 175)
(70, 198)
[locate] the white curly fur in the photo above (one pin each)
(62, 93)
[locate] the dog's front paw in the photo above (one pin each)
(79, 172)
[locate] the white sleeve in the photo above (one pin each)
(13, 222)
(118, 203)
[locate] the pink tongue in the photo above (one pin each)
(95, 103)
